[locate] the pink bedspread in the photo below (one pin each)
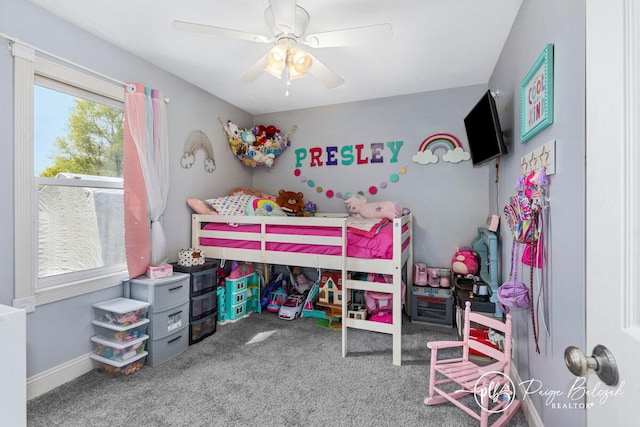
(379, 246)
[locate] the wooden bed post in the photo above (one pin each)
(345, 288)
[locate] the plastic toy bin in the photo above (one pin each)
(119, 352)
(115, 369)
(203, 277)
(116, 334)
(121, 311)
(203, 305)
(200, 329)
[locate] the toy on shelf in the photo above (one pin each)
(438, 277)
(277, 299)
(465, 261)
(431, 276)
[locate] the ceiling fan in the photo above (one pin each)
(287, 23)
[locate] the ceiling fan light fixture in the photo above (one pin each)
(298, 63)
(276, 60)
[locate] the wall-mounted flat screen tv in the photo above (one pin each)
(484, 133)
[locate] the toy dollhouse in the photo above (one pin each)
(330, 288)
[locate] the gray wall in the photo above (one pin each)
(563, 24)
(60, 332)
(449, 201)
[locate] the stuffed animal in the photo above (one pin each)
(232, 129)
(262, 158)
(248, 137)
(271, 131)
(465, 261)
(309, 209)
(358, 206)
(290, 202)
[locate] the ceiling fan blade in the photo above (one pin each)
(254, 71)
(321, 72)
(358, 36)
(193, 27)
(284, 15)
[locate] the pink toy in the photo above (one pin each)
(379, 304)
(358, 206)
(465, 261)
(420, 277)
(241, 270)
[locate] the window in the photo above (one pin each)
(68, 157)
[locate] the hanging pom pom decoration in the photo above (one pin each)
(258, 146)
(330, 193)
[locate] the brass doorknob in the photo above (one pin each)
(601, 362)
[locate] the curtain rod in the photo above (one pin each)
(53, 55)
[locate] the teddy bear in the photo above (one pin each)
(359, 207)
(290, 202)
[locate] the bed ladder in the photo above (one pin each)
(394, 329)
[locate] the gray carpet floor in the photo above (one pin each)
(296, 377)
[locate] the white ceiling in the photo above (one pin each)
(436, 44)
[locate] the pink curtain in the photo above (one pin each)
(146, 177)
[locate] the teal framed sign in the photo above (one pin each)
(536, 96)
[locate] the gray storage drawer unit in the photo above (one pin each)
(168, 314)
(167, 321)
(161, 293)
(163, 349)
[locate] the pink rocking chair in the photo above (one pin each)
(490, 385)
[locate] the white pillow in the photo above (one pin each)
(231, 205)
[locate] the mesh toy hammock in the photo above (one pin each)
(258, 146)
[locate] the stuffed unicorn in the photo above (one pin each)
(358, 206)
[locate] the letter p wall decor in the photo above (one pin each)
(536, 96)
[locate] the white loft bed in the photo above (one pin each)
(267, 243)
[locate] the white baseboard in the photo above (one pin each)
(58, 375)
(530, 413)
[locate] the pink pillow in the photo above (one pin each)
(201, 207)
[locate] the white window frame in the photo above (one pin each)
(26, 292)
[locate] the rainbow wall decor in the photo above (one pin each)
(198, 141)
(453, 151)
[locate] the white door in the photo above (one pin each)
(613, 205)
